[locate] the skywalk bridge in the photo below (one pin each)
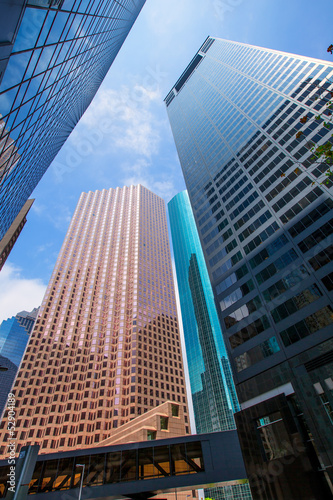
(135, 470)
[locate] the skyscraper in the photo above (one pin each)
(14, 231)
(53, 59)
(213, 391)
(265, 224)
(214, 403)
(14, 336)
(106, 346)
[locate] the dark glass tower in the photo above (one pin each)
(53, 59)
(265, 223)
(213, 391)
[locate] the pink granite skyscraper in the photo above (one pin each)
(106, 346)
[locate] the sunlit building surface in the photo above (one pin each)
(14, 231)
(53, 58)
(106, 346)
(264, 216)
(14, 336)
(213, 392)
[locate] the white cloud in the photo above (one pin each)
(18, 293)
(120, 119)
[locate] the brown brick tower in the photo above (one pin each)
(106, 346)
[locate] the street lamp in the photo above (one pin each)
(81, 482)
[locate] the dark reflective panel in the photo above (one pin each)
(178, 459)
(49, 476)
(64, 475)
(147, 469)
(113, 462)
(3, 480)
(36, 477)
(96, 470)
(162, 461)
(128, 465)
(194, 457)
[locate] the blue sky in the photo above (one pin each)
(124, 137)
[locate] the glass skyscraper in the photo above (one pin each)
(213, 392)
(106, 347)
(14, 336)
(264, 218)
(53, 57)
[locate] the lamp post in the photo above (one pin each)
(81, 481)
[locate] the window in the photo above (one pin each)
(236, 295)
(292, 279)
(151, 435)
(175, 410)
(261, 237)
(312, 217)
(316, 237)
(164, 423)
(231, 279)
(242, 312)
(249, 331)
(296, 303)
(328, 281)
(301, 205)
(256, 354)
(278, 265)
(307, 326)
(322, 258)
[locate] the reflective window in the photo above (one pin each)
(307, 326)
(242, 312)
(249, 331)
(312, 217)
(256, 354)
(278, 265)
(292, 279)
(317, 236)
(268, 251)
(258, 240)
(296, 303)
(236, 295)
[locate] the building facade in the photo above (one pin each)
(53, 58)
(14, 336)
(106, 346)
(264, 217)
(213, 391)
(14, 231)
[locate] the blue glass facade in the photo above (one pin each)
(55, 58)
(14, 336)
(213, 392)
(211, 387)
(264, 217)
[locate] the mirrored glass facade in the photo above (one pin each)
(213, 392)
(212, 387)
(60, 51)
(262, 206)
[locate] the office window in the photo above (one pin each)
(292, 279)
(307, 326)
(296, 303)
(249, 331)
(256, 354)
(316, 237)
(242, 312)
